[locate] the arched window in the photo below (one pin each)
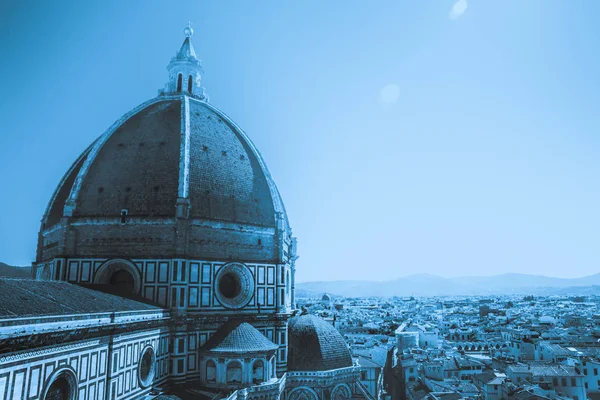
(59, 390)
(179, 82)
(118, 276)
(62, 386)
(258, 371)
(122, 282)
(234, 372)
(190, 84)
(211, 371)
(273, 367)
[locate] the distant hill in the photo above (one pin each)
(431, 285)
(10, 271)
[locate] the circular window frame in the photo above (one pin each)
(246, 281)
(71, 378)
(147, 382)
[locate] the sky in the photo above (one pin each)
(434, 136)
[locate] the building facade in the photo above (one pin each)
(172, 208)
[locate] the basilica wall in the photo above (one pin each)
(114, 367)
(180, 283)
(187, 342)
(337, 384)
(108, 237)
(192, 287)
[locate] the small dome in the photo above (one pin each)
(315, 345)
(326, 297)
(238, 337)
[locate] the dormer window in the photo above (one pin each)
(179, 82)
(124, 213)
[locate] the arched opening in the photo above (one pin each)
(59, 390)
(190, 84)
(211, 371)
(179, 82)
(118, 276)
(62, 386)
(341, 392)
(273, 367)
(234, 372)
(122, 281)
(258, 372)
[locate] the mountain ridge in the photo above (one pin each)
(12, 271)
(432, 285)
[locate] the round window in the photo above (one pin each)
(146, 366)
(235, 285)
(230, 285)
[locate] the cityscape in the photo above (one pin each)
(447, 230)
(497, 347)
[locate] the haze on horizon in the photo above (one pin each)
(451, 277)
(448, 137)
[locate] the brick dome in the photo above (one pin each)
(315, 345)
(175, 152)
(137, 166)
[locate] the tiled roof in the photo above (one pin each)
(29, 298)
(378, 354)
(546, 370)
(315, 345)
(186, 51)
(367, 362)
(238, 337)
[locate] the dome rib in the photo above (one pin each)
(170, 152)
(99, 144)
(275, 196)
(55, 207)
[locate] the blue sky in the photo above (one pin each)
(430, 136)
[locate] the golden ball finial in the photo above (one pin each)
(188, 31)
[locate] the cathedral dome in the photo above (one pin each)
(173, 178)
(315, 345)
(168, 148)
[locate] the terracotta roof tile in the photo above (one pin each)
(238, 337)
(28, 298)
